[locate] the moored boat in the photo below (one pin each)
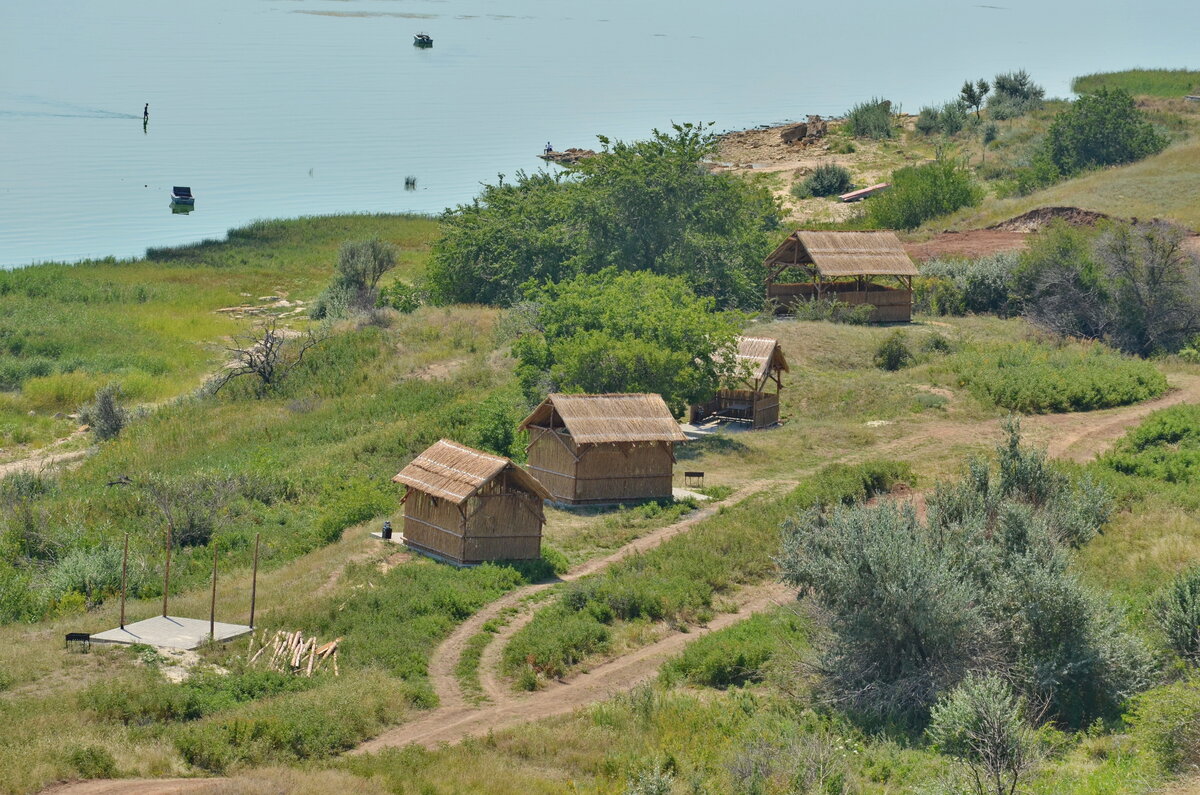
(423, 40)
(182, 195)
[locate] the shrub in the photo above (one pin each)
(919, 193)
(402, 297)
(958, 287)
(737, 655)
(1165, 447)
(832, 311)
(1101, 129)
(106, 418)
(893, 353)
(981, 723)
(1036, 380)
(827, 179)
(1015, 95)
(915, 606)
(92, 761)
(1166, 721)
(1176, 609)
(872, 119)
(360, 266)
(356, 502)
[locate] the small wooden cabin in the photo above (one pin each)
(467, 506)
(752, 397)
(851, 267)
(603, 448)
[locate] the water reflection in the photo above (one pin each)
(181, 209)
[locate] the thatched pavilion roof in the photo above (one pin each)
(455, 472)
(839, 254)
(763, 354)
(598, 419)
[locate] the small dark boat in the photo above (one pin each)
(422, 40)
(182, 195)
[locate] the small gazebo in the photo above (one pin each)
(467, 506)
(851, 267)
(761, 364)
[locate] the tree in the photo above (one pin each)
(360, 266)
(973, 95)
(644, 205)
(981, 723)
(267, 353)
(1101, 129)
(1134, 286)
(625, 332)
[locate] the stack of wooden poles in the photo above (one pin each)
(292, 652)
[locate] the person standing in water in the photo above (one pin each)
(146, 113)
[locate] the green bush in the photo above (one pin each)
(872, 119)
(356, 502)
(401, 296)
(1165, 447)
(985, 285)
(1015, 94)
(1176, 610)
(92, 761)
(920, 193)
(893, 353)
(739, 654)
(832, 311)
(106, 418)
(1035, 379)
(827, 179)
(1101, 129)
(1166, 722)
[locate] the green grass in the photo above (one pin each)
(740, 654)
(1142, 82)
(1037, 379)
(152, 324)
(1165, 447)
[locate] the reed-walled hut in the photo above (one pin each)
(854, 268)
(603, 448)
(755, 395)
(468, 506)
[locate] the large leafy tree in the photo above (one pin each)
(645, 205)
(625, 332)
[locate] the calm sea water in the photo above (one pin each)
(281, 108)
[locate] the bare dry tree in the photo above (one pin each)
(268, 353)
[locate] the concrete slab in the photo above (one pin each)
(397, 538)
(171, 632)
(709, 427)
(683, 494)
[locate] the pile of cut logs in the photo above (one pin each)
(291, 652)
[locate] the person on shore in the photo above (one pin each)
(549, 148)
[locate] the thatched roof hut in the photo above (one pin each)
(603, 448)
(851, 267)
(761, 363)
(468, 506)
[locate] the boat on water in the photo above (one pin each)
(182, 195)
(423, 40)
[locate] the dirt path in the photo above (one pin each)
(605, 680)
(43, 459)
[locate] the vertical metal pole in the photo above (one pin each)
(254, 579)
(124, 569)
(167, 573)
(212, 609)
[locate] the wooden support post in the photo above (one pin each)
(124, 569)
(167, 573)
(254, 579)
(212, 609)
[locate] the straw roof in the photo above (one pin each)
(844, 254)
(455, 472)
(597, 419)
(762, 354)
